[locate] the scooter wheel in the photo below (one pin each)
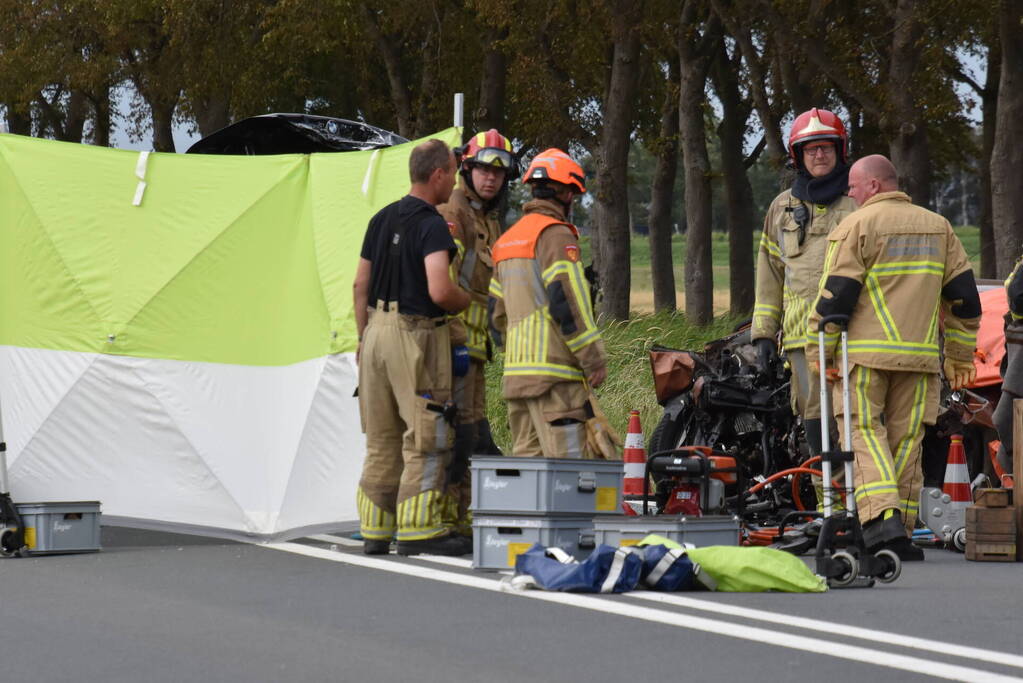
(893, 565)
(847, 577)
(7, 548)
(959, 540)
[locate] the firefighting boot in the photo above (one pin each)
(449, 544)
(485, 440)
(904, 548)
(375, 546)
(883, 529)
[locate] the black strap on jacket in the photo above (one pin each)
(386, 280)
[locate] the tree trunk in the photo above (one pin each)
(1007, 153)
(388, 47)
(989, 107)
(19, 119)
(612, 202)
(909, 146)
(77, 112)
(101, 118)
(662, 192)
(738, 191)
(695, 53)
(163, 125)
(214, 113)
(770, 119)
(490, 112)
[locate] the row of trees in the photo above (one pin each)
(598, 77)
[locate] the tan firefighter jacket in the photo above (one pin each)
(789, 266)
(895, 269)
(540, 310)
(474, 230)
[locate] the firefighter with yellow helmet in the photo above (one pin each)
(540, 312)
(791, 255)
(902, 276)
(488, 164)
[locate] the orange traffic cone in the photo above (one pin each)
(634, 457)
(957, 477)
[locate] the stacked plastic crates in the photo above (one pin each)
(521, 501)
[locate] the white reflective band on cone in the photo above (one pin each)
(634, 441)
(634, 470)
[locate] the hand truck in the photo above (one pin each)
(844, 561)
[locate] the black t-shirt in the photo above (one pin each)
(421, 231)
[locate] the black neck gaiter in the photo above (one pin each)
(823, 190)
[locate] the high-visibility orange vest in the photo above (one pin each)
(519, 241)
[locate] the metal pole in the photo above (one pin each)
(459, 109)
(826, 491)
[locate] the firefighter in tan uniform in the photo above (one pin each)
(791, 255)
(900, 273)
(541, 315)
(403, 294)
(487, 166)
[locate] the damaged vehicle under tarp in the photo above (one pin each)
(294, 134)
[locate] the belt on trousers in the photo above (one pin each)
(390, 308)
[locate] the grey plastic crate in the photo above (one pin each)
(52, 528)
(547, 485)
(498, 539)
(700, 531)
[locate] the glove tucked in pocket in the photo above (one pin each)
(434, 430)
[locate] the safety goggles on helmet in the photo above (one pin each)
(491, 156)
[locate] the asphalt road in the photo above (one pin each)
(163, 607)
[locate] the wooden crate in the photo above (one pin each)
(990, 552)
(990, 534)
(992, 498)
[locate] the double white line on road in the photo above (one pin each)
(807, 644)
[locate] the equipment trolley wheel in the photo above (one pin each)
(893, 565)
(851, 570)
(959, 540)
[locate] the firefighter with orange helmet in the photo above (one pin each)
(540, 312)
(487, 167)
(791, 255)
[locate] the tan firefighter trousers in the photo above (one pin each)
(552, 425)
(404, 384)
(889, 410)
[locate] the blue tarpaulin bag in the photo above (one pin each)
(668, 569)
(606, 570)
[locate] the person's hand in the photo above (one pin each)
(767, 353)
(959, 373)
(597, 377)
(830, 374)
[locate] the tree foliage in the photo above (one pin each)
(703, 89)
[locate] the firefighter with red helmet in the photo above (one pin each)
(540, 313)
(487, 167)
(791, 255)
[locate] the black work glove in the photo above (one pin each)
(767, 353)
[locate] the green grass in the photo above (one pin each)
(629, 385)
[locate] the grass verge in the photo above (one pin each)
(629, 385)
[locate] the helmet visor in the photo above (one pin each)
(492, 156)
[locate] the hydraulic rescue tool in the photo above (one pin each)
(841, 556)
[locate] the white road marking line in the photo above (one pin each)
(340, 540)
(804, 644)
(886, 637)
(351, 542)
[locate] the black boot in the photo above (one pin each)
(465, 440)
(374, 546)
(904, 548)
(451, 545)
(485, 440)
(883, 529)
(812, 432)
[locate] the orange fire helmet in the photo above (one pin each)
(553, 164)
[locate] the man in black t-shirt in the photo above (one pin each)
(403, 293)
